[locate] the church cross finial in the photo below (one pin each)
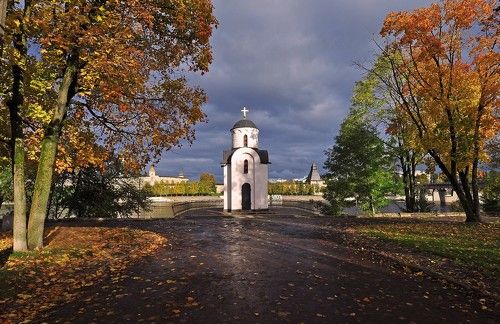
(244, 111)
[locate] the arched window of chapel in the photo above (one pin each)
(245, 166)
(245, 140)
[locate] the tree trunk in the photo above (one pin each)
(408, 166)
(19, 222)
(17, 141)
(407, 195)
(462, 189)
(404, 169)
(471, 214)
(41, 191)
(422, 201)
(3, 16)
(45, 171)
(476, 208)
(413, 181)
(475, 194)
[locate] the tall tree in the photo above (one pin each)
(15, 41)
(357, 166)
(3, 16)
(447, 81)
(114, 67)
(207, 183)
(93, 192)
(377, 100)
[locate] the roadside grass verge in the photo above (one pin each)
(476, 246)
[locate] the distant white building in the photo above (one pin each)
(245, 169)
(153, 178)
(277, 180)
(417, 173)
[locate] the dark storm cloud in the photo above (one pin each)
(291, 63)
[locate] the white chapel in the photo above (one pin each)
(245, 169)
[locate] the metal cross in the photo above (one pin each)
(244, 111)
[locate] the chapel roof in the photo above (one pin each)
(244, 123)
(263, 155)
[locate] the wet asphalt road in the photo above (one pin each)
(278, 267)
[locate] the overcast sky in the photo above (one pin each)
(291, 63)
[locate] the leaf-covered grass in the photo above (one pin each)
(73, 258)
(473, 245)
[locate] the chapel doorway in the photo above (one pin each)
(246, 194)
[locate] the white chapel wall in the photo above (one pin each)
(238, 178)
(257, 177)
(238, 135)
(261, 180)
(227, 184)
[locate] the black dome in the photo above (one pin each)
(244, 123)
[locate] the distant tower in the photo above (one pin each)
(152, 171)
(313, 176)
(245, 169)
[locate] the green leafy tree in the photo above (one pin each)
(161, 188)
(491, 193)
(148, 189)
(92, 192)
(422, 179)
(207, 183)
(377, 100)
(358, 166)
(6, 181)
(62, 189)
(6, 188)
(292, 188)
(301, 188)
(275, 188)
(430, 168)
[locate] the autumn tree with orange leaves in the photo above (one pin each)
(107, 77)
(445, 77)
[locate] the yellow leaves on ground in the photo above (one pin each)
(5, 242)
(74, 258)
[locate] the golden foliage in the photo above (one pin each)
(130, 95)
(447, 76)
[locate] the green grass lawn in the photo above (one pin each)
(473, 245)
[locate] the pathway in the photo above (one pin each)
(277, 267)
